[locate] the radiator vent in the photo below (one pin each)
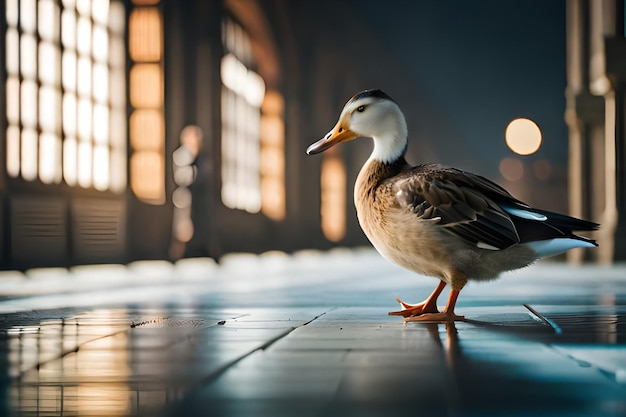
(38, 231)
(98, 230)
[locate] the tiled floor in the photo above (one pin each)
(309, 335)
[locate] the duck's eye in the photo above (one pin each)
(360, 109)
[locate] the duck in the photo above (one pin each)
(437, 220)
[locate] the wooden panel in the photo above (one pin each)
(98, 230)
(38, 231)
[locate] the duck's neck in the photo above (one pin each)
(391, 145)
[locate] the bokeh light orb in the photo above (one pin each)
(523, 136)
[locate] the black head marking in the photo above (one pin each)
(370, 93)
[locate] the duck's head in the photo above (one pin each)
(370, 113)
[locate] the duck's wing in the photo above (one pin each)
(459, 202)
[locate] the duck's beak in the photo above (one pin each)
(339, 134)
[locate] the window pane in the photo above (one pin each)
(101, 123)
(100, 43)
(28, 56)
(84, 164)
(101, 167)
(12, 51)
(49, 103)
(69, 70)
(100, 11)
(48, 20)
(84, 76)
(69, 114)
(101, 83)
(13, 100)
(48, 63)
(68, 29)
(70, 153)
(11, 12)
(83, 7)
(29, 104)
(13, 151)
(29, 154)
(49, 158)
(83, 36)
(28, 22)
(84, 119)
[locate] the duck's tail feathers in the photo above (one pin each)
(555, 246)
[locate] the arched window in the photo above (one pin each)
(252, 129)
(63, 61)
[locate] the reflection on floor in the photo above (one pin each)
(308, 335)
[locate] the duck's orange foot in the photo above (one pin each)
(410, 310)
(439, 317)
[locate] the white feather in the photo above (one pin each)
(556, 246)
(525, 214)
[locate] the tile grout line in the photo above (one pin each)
(223, 369)
(541, 317)
(130, 327)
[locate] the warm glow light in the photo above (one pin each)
(523, 136)
(272, 164)
(511, 169)
(146, 86)
(146, 125)
(333, 198)
(146, 129)
(144, 28)
(146, 172)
